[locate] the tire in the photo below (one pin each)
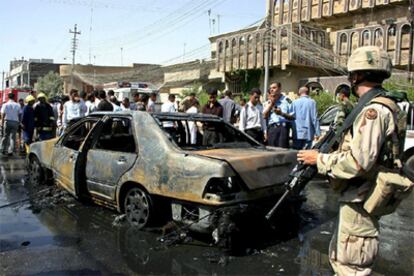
(36, 172)
(138, 207)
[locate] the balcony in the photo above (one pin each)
(290, 44)
(287, 11)
(394, 38)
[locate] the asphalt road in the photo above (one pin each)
(73, 238)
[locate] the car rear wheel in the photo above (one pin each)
(36, 173)
(138, 207)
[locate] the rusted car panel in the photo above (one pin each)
(257, 168)
(118, 150)
(104, 169)
(43, 151)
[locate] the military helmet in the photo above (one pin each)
(370, 58)
(29, 99)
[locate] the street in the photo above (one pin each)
(67, 237)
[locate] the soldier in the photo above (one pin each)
(359, 165)
(345, 106)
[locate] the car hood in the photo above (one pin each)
(258, 168)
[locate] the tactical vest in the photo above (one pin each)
(393, 147)
(391, 186)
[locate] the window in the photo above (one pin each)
(116, 135)
(75, 137)
(188, 134)
(220, 47)
(365, 38)
(378, 38)
(343, 44)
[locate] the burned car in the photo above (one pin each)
(137, 162)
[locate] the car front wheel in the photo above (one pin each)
(36, 173)
(138, 207)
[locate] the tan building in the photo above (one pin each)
(182, 76)
(313, 39)
(88, 77)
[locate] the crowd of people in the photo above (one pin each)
(272, 122)
(36, 118)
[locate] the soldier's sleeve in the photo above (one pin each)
(370, 129)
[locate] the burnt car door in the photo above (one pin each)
(114, 152)
(67, 152)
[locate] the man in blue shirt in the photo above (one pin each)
(277, 111)
(306, 125)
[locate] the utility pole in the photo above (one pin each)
(122, 57)
(213, 22)
(209, 20)
(74, 46)
(267, 37)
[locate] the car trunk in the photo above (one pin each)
(258, 168)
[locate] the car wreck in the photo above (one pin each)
(147, 164)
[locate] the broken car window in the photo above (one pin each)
(75, 137)
(116, 135)
(188, 134)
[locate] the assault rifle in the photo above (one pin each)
(302, 174)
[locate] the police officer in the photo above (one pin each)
(354, 167)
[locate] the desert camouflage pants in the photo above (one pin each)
(354, 245)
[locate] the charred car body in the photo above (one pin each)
(129, 160)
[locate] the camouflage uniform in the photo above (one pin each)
(352, 170)
(345, 107)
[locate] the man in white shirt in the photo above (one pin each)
(151, 102)
(169, 107)
(192, 125)
(73, 108)
(10, 112)
(251, 117)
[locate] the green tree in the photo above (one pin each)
(395, 84)
(323, 101)
(51, 84)
(200, 93)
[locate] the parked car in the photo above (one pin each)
(132, 162)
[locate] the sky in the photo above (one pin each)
(119, 32)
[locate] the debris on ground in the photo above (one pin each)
(119, 220)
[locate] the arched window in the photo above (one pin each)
(354, 41)
(343, 44)
(220, 47)
(391, 41)
(378, 38)
(233, 43)
(365, 38)
(241, 41)
(405, 36)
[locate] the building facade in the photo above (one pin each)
(314, 38)
(25, 73)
